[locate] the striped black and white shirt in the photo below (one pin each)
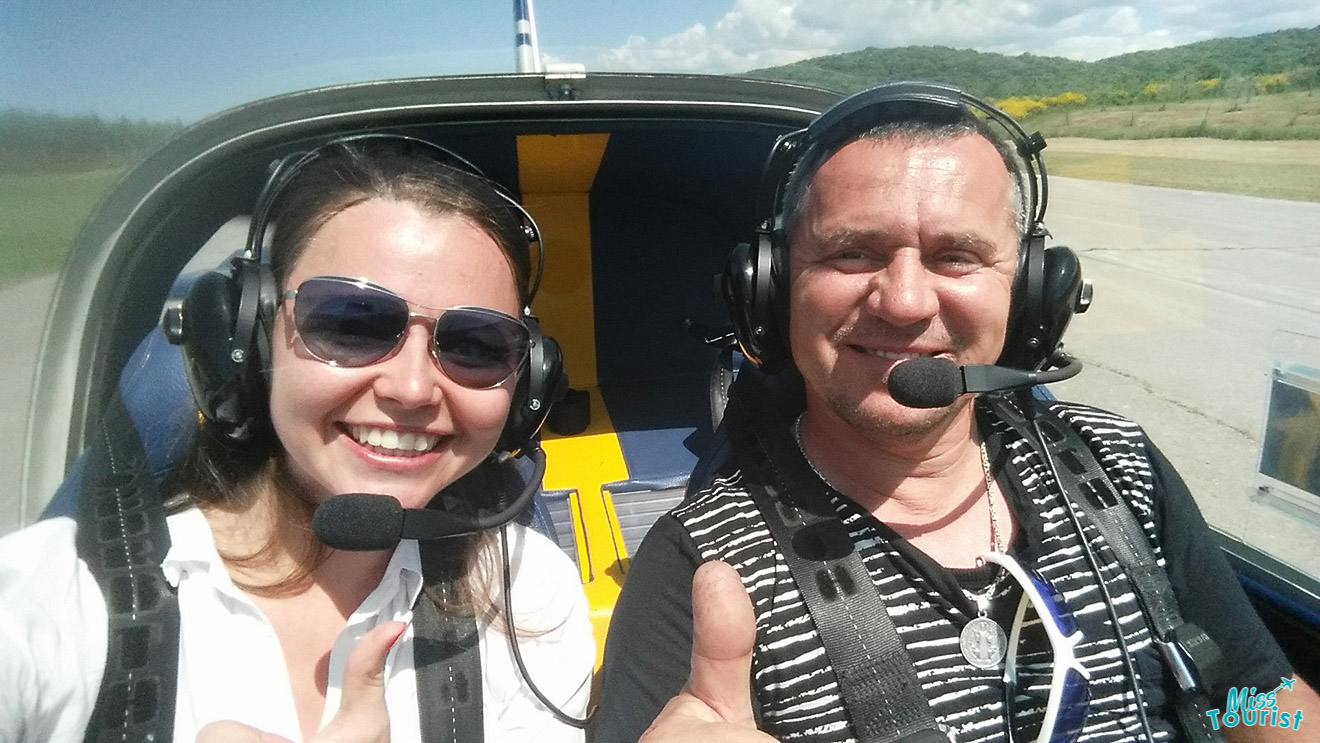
(796, 692)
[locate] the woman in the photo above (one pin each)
(394, 350)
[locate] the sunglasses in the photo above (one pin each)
(1070, 697)
(351, 322)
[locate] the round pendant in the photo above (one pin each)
(983, 643)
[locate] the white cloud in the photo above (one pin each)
(763, 33)
(754, 33)
(1124, 22)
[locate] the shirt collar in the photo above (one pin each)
(403, 576)
(192, 546)
(192, 549)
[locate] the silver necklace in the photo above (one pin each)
(982, 640)
(797, 436)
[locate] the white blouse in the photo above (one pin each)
(53, 641)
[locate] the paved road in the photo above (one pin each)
(1196, 295)
(22, 316)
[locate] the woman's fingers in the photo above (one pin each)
(362, 717)
(228, 731)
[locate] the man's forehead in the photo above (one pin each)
(962, 175)
(950, 166)
(971, 147)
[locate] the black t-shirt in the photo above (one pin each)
(648, 652)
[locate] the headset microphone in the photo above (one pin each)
(935, 383)
(362, 522)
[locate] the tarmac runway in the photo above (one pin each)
(23, 308)
(1197, 295)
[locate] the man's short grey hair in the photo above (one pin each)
(800, 180)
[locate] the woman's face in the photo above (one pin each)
(327, 416)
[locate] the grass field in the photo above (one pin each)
(41, 214)
(1259, 145)
(1281, 116)
(1279, 169)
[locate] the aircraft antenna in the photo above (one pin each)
(524, 36)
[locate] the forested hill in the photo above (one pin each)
(1294, 53)
(32, 142)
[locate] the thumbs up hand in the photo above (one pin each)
(362, 716)
(716, 704)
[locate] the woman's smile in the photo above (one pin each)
(393, 442)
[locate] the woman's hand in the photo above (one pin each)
(362, 717)
(716, 704)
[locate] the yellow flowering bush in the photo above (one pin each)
(1065, 99)
(1271, 83)
(1020, 106)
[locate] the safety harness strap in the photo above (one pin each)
(1193, 658)
(876, 679)
(446, 652)
(875, 674)
(123, 539)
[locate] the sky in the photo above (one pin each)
(183, 59)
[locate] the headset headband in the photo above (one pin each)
(284, 170)
(888, 104)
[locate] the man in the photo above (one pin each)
(908, 226)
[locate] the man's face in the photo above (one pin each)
(904, 248)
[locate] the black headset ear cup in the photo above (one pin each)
(1065, 294)
(736, 289)
(1022, 340)
(226, 345)
(538, 389)
(755, 294)
(1047, 292)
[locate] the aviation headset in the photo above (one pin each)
(227, 320)
(1047, 288)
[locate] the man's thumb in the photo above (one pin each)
(723, 635)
